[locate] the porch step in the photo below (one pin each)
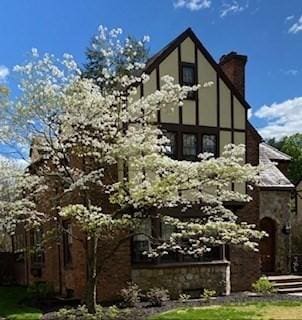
(287, 284)
(290, 290)
(285, 278)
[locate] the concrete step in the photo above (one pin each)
(285, 278)
(287, 284)
(290, 290)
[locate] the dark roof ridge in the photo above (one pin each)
(157, 58)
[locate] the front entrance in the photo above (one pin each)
(267, 246)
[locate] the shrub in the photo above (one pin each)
(184, 297)
(131, 295)
(81, 313)
(263, 286)
(157, 296)
(208, 294)
(40, 290)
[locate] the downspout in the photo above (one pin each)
(26, 259)
(60, 269)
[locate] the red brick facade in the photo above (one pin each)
(245, 266)
(71, 279)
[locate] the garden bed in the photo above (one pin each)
(238, 300)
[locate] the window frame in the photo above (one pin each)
(191, 95)
(175, 133)
(183, 156)
(67, 243)
(172, 258)
(216, 153)
(37, 247)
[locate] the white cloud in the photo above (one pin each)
(291, 72)
(232, 7)
(250, 113)
(4, 72)
(193, 5)
(289, 18)
(296, 27)
(283, 118)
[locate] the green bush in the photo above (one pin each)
(263, 286)
(131, 295)
(184, 298)
(81, 313)
(157, 296)
(208, 294)
(40, 290)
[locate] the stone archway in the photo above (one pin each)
(268, 246)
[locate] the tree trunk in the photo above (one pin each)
(90, 299)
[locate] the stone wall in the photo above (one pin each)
(275, 205)
(179, 278)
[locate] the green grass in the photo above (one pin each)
(269, 310)
(11, 306)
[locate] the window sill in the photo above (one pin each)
(180, 264)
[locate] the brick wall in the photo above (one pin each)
(245, 265)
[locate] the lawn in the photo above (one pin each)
(270, 310)
(11, 307)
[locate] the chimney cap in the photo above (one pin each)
(232, 55)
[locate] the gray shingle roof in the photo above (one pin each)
(273, 153)
(271, 176)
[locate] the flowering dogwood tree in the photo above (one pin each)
(102, 157)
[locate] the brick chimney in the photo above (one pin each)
(233, 65)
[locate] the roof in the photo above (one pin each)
(156, 59)
(271, 176)
(273, 153)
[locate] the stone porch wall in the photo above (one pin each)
(275, 205)
(179, 278)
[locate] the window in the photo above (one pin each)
(170, 148)
(189, 146)
(166, 231)
(188, 74)
(18, 243)
(209, 144)
(67, 243)
(36, 241)
(141, 242)
(160, 230)
(188, 78)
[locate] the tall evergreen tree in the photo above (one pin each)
(104, 66)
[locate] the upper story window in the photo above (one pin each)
(189, 146)
(170, 148)
(188, 77)
(209, 144)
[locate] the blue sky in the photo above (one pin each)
(268, 31)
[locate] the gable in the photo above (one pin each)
(217, 108)
(218, 105)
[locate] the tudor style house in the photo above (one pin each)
(210, 118)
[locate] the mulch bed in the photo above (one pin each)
(143, 310)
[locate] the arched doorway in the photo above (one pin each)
(267, 245)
